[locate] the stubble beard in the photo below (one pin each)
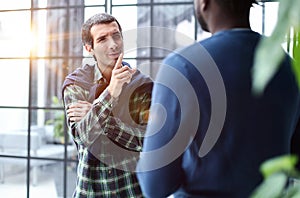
(201, 21)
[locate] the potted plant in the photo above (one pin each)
(57, 122)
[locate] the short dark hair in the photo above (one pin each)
(101, 18)
(237, 7)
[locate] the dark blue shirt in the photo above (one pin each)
(208, 133)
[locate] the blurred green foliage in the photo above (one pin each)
(281, 179)
(269, 53)
(58, 121)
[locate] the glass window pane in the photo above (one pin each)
(174, 1)
(15, 4)
(171, 15)
(14, 44)
(270, 16)
(125, 2)
(71, 178)
(155, 65)
(15, 142)
(13, 119)
(94, 2)
(14, 82)
(136, 41)
(59, 35)
(168, 31)
(39, 33)
(149, 67)
(144, 66)
(143, 16)
(54, 123)
(40, 4)
(91, 11)
(256, 18)
(46, 179)
(13, 177)
(127, 21)
(82, 2)
(56, 3)
(48, 133)
(47, 79)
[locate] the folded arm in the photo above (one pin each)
(99, 121)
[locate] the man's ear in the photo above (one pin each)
(204, 4)
(89, 49)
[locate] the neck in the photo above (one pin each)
(106, 72)
(221, 21)
(229, 26)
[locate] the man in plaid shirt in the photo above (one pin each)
(107, 106)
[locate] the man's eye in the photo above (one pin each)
(117, 36)
(100, 40)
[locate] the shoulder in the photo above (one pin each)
(185, 59)
(73, 90)
(140, 84)
(140, 78)
(83, 77)
(186, 54)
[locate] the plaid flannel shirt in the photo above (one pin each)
(95, 178)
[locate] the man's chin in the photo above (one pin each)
(112, 63)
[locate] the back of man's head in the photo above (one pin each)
(236, 7)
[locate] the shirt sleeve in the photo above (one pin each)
(164, 140)
(132, 137)
(99, 121)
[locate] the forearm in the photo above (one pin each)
(99, 121)
(94, 123)
(131, 137)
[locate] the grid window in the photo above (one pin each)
(41, 43)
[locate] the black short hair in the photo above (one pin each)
(236, 7)
(101, 18)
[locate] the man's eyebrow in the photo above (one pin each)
(116, 31)
(101, 37)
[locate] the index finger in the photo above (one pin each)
(119, 61)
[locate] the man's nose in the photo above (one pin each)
(112, 43)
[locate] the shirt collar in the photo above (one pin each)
(97, 73)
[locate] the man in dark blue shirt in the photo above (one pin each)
(208, 133)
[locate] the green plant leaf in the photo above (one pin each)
(281, 163)
(265, 68)
(296, 54)
(293, 189)
(55, 100)
(272, 187)
(269, 53)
